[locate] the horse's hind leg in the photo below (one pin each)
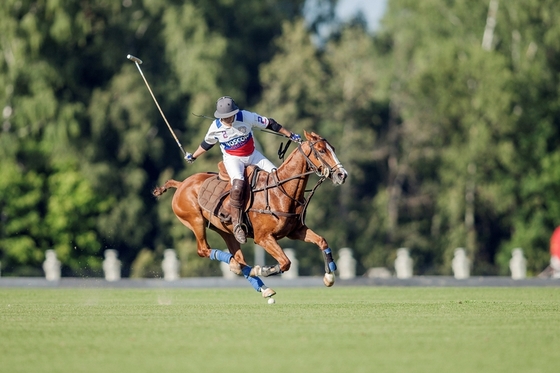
(238, 265)
(197, 226)
(234, 248)
(202, 248)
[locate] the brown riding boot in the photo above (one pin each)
(237, 201)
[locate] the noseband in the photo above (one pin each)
(323, 171)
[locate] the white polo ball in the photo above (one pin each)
(271, 301)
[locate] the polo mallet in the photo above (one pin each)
(138, 62)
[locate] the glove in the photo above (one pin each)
(189, 158)
(295, 137)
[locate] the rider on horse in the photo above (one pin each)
(233, 130)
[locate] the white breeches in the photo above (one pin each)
(235, 165)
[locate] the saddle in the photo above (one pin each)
(215, 189)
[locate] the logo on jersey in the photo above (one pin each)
(237, 142)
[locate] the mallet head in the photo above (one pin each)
(134, 59)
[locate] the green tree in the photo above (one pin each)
(481, 137)
(44, 201)
(84, 143)
(449, 143)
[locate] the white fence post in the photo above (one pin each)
(518, 264)
(461, 264)
(226, 273)
(294, 268)
(346, 264)
(112, 266)
(170, 265)
(259, 255)
(51, 266)
(403, 264)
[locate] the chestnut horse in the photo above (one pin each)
(275, 210)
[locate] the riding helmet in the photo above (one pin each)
(225, 107)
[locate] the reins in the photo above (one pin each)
(278, 183)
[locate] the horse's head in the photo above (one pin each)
(323, 160)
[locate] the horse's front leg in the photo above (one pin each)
(271, 246)
(305, 234)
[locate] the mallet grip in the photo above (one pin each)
(134, 59)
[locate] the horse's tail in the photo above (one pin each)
(158, 191)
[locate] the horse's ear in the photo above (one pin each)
(311, 136)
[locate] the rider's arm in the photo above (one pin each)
(273, 125)
(285, 132)
(202, 148)
(277, 127)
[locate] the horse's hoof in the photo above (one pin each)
(256, 271)
(328, 279)
(267, 293)
(235, 267)
(270, 270)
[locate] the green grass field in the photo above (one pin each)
(341, 329)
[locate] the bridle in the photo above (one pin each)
(326, 169)
(323, 171)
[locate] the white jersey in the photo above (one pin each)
(236, 140)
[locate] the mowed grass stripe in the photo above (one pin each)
(362, 329)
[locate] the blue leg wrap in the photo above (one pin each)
(255, 282)
(329, 259)
(220, 255)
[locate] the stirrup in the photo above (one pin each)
(239, 233)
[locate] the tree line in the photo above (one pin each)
(449, 141)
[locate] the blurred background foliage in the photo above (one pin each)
(449, 142)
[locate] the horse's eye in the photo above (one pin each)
(320, 149)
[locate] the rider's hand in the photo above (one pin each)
(295, 137)
(189, 158)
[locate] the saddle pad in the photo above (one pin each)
(212, 192)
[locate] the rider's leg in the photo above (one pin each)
(237, 201)
(235, 167)
(261, 161)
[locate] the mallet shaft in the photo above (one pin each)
(138, 61)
